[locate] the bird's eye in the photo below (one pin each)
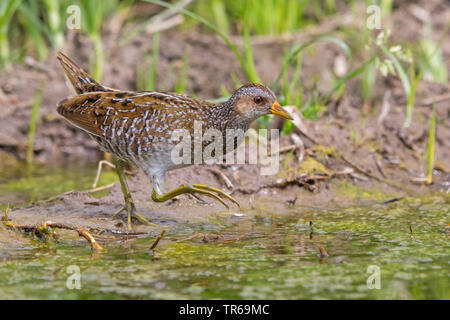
(258, 100)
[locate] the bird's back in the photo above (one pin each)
(135, 126)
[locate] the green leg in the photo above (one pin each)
(129, 207)
(192, 189)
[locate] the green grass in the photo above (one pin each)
(93, 14)
(154, 66)
(146, 78)
(369, 77)
(263, 17)
(180, 84)
(391, 59)
(431, 140)
(414, 80)
(29, 17)
(430, 56)
(29, 27)
(245, 59)
(7, 9)
(38, 96)
(55, 21)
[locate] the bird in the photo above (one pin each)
(137, 126)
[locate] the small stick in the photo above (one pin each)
(99, 171)
(157, 239)
(83, 232)
(379, 167)
(285, 149)
(164, 25)
(39, 228)
(108, 186)
(301, 147)
(323, 252)
(411, 236)
(223, 177)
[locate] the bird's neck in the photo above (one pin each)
(225, 117)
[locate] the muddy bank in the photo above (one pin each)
(324, 179)
(344, 148)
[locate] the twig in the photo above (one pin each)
(158, 19)
(277, 184)
(330, 25)
(301, 180)
(407, 144)
(323, 252)
(436, 99)
(298, 121)
(298, 145)
(41, 229)
(285, 149)
(378, 164)
(108, 186)
(301, 147)
(157, 240)
(83, 232)
(99, 171)
(364, 172)
(164, 25)
(223, 177)
(367, 174)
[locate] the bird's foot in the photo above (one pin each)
(131, 211)
(193, 189)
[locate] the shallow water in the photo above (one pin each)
(264, 258)
(23, 184)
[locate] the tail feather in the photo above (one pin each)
(77, 79)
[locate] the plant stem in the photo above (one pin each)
(431, 139)
(151, 85)
(99, 59)
(32, 130)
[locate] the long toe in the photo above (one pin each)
(142, 219)
(218, 191)
(210, 194)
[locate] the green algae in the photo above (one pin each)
(276, 259)
(309, 166)
(351, 191)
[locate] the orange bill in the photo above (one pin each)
(278, 110)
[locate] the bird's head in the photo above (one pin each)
(253, 100)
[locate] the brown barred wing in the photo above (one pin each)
(107, 113)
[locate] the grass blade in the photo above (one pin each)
(431, 140)
(38, 96)
(209, 25)
(7, 9)
(151, 84)
(291, 58)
